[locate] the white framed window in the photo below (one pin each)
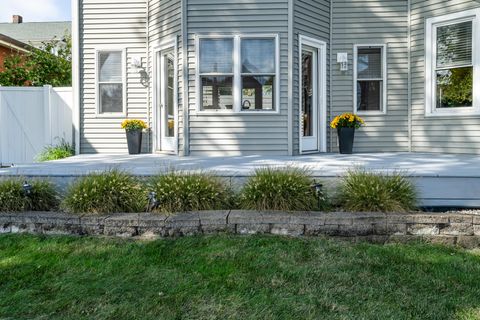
(110, 82)
(237, 73)
(370, 78)
(452, 67)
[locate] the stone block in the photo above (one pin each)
(5, 227)
(328, 230)
(460, 218)
(442, 240)
(338, 219)
(476, 230)
(152, 224)
(287, 229)
(423, 229)
(243, 217)
(181, 224)
(400, 218)
(252, 228)
(393, 229)
(25, 228)
(476, 219)
(213, 217)
(217, 228)
(356, 229)
(121, 225)
(431, 218)
(60, 229)
(468, 242)
(457, 229)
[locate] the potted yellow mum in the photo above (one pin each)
(133, 129)
(346, 124)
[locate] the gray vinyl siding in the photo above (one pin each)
(312, 19)
(373, 22)
(165, 23)
(102, 24)
(238, 134)
(449, 134)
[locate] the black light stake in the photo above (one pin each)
(318, 188)
(27, 189)
(152, 201)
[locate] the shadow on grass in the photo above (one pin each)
(232, 277)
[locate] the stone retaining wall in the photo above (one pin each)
(453, 229)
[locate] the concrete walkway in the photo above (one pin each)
(321, 165)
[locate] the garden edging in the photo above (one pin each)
(446, 228)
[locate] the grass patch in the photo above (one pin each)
(287, 189)
(232, 277)
(56, 152)
(179, 191)
(43, 196)
(368, 191)
(107, 192)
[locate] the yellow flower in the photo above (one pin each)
(347, 120)
(134, 124)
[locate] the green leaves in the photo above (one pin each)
(49, 65)
(43, 196)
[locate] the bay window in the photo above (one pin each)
(110, 82)
(370, 78)
(451, 64)
(237, 73)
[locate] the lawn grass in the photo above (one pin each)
(233, 277)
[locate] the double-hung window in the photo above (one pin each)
(451, 64)
(237, 73)
(110, 82)
(370, 78)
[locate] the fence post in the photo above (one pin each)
(47, 109)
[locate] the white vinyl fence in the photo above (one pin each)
(32, 118)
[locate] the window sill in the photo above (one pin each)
(234, 113)
(371, 113)
(111, 115)
(459, 114)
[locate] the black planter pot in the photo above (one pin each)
(134, 141)
(345, 140)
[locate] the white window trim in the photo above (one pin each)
(237, 74)
(384, 78)
(122, 114)
(431, 26)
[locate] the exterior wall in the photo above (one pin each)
(165, 21)
(312, 19)
(116, 24)
(453, 134)
(4, 52)
(373, 22)
(238, 134)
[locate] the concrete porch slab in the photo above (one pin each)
(442, 179)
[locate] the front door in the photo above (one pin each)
(166, 113)
(312, 101)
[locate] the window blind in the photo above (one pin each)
(369, 63)
(454, 45)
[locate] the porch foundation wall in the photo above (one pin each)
(450, 229)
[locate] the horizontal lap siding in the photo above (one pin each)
(165, 23)
(102, 24)
(312, 19)
(237, 134)
(445, 134)
(373, 22)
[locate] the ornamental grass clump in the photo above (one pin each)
(56, 152)
(42, 196)
(112, 191)
(178, 191)
(286, 189)
(364, 191)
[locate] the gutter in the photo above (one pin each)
(409, 70)
(76, 73)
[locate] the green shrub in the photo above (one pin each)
(112, 191)
(365, 191)
(42, 197)
(56, 152)
(186, 191)
(287, 189)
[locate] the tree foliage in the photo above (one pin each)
(49, 65)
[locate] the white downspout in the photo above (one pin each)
(149, 75)
(290, 78)
(76, 73)
(409, 70)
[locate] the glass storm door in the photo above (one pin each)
(167, 121)
(309, 100)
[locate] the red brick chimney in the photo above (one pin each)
(17, 19)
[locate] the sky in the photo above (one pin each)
(35, 10)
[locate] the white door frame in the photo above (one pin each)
(157, 94)
(321, 87)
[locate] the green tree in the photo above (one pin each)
(49, 65)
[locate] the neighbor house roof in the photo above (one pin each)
(35, 33)
(11, 43)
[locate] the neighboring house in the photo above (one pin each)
(267, 77)
(35, 33)
(9, 46)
